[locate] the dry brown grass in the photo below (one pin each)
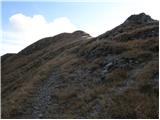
(93, 93)
(147, 73)
(150, 44)
(139, 33)
(132, 104)
(99, 60)
(116, 77)
(66, 93)
(74, 62)
(138, 55)
(103, 48)
(26, 86)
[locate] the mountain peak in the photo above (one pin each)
(139, 18)
(80, 33)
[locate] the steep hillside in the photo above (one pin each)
(73, 75)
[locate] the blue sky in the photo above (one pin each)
(80, 13)
(24, 22)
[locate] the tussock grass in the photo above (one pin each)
(116, 77)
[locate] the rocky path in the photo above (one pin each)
(42, 98)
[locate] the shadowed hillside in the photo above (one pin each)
(73, 75)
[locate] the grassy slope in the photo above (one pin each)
(111, 76)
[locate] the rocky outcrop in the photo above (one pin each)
(141, 18)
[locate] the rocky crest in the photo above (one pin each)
(141, 18)
(133, 27)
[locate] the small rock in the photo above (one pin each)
(35, 107)
(108, 66)
(136, 62)
(40, 115)
(130, 61)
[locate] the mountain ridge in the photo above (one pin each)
(74, 75)
(140, 18)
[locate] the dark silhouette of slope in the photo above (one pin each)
(6, 56)
(73, 75)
